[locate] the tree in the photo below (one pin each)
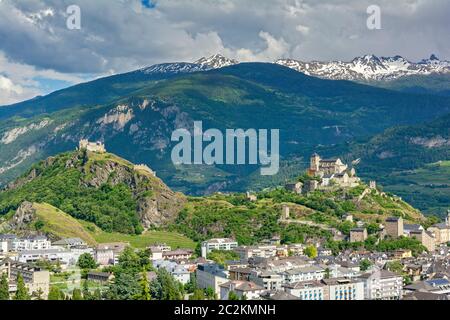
(55, 294)
(76, 294)
(165, 287)
(86, 292)
(198, 294)
(145, 287)
(22, 291)
(365, 264)
(130, 261)
(97, 295)
(125, 287)
(210, 294)
(38, 294)
(311, 252)
(233, 296)
(86, 261)
(192, 284)
(4, 287)
(327, 273)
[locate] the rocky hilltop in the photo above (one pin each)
(97, 187)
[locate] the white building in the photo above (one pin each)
(344, 289)
(6, 242)
(31, 243)
(267, 279)
(304, 274)
(64, 256)
(306, 290)
(224, 244)
(382, 285)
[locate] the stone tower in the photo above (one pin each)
(315, 162)
(447, 219)
(285, 212)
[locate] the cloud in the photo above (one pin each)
(122, 35)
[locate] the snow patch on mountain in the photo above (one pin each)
(368, 67)
(216, 61)
(174, 68)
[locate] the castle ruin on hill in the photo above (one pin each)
(98, 146)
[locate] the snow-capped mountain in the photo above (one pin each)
(204, 64)
(174, 68)
(216, 61)
(368, 67)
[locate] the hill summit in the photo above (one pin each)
(98, 187)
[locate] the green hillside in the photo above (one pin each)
(99, 188)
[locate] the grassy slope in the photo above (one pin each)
(61, 224)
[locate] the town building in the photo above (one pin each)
(382, 285)
(343, 289)
(394, 227)
(427, 239)
(69, 243)
(306, 273)
(223, 244)
(69, 257)
(250, 290)
(35, 278)
(108, 253)
(306, 290)
(30, 243)
(358, 235)
(178, 254)
(441, 231)
(211, 275)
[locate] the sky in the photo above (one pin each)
(39, 53)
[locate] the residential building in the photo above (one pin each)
(250, 290)
(6, 242)
(269, 280)
(306, 290)
(70, 243)
(108, 253)
(31, 243)
(178, 254)
(343, 289)
(382, 285)
(211, 275)
(224, 244)
(35, 278)
(304, 274)
(64, 256)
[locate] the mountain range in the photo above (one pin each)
(135, 113)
